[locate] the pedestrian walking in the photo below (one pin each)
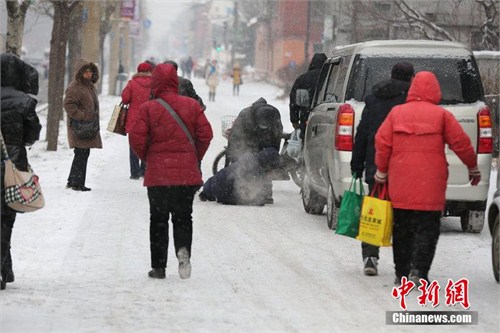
(212, 80)
(20, 128)
(385, 95)
(136, 92)
(82, 104)
(410, 156)
(173, 166)
(237, 79)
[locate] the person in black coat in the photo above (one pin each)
(307, 80)
(385, 95)
(256, 127)
(186, 86)
(242, 182)
(20, 128)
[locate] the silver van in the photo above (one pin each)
(348, 76)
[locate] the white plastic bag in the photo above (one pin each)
(294, 148)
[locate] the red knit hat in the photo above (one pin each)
(144, 67)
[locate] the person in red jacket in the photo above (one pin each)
(136, 92)
(173, 174)
(410, 155)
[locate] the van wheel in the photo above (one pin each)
(313, 203)
(472, 221)
(332, 209)
(495, 249)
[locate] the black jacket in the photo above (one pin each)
(385, 95)
(186, 89)
(20, 124)
(307, 81)
(256, 127)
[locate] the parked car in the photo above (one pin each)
(493, 220)
(348, 76)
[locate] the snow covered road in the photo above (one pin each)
(81, 263)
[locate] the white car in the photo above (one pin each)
(348, 76)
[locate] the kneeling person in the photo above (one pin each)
(242, 182)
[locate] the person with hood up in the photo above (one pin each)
(410, 156)
(237, 80)
(172, 174)
(385, 95)
(20, 128)
(307, 81)
(136, 92)
(81, 103)
(256, 127)
(242, 182)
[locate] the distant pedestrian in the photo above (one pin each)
(20, 128)
(212, 80)
(137, 91)
(410, 155)
(385, 95)
(173, 166)
(237, 79)
(189, 67)
(81, 103)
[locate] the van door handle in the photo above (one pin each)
(314, 130)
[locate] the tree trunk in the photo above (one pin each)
(57, 65)
(15, 25)
(75, 38)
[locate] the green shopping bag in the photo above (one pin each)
(350, 209)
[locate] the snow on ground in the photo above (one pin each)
(81, 263)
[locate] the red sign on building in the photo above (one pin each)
(127, 9)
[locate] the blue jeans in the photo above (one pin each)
(137, 166)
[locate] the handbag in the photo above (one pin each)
(118, 119)
(350, 209)
(85, 130)
(375, 224)
(23, 192)
(294, 148)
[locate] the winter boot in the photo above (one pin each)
(416, 275)
(157, 273)
(370, 268)
(3, 284)
(184, 264)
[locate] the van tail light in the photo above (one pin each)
(345, 128)
(485, 137)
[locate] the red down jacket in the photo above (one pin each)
(136, 92)
(410, 146)
(159, 140)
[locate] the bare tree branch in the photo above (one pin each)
(489, 28)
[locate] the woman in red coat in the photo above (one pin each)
(136, 92)
(173, 174)
(410, 148)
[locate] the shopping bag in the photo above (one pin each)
(294, 147)
(350, 209)
(118, 119)
(375, 225)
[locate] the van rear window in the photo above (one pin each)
(458, 76)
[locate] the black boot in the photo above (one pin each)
(157, 273)
(7, 273)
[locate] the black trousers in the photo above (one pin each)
(368, 250)
(78, 171)
(6, 235)
(166, 201)
(414, 238)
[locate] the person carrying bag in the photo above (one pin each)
(350, 209)
(375, 224)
